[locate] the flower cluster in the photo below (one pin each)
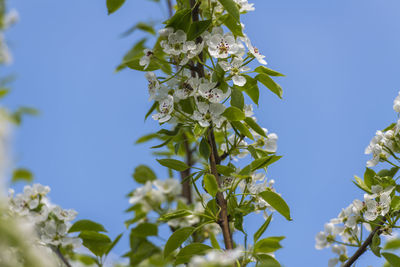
(51, 221)
(152, 194)
(217, 258)
(206, 93)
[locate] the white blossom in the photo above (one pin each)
(221, 45)
(217, 258)
(254, 51)
(235, 67)
(396, 103)
(166, 106)
(206, 113)
(145, 59)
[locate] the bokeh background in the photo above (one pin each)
(341, 59)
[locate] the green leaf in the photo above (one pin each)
(395, 204)
(391, 173)
(174, 215)
(269, 244)
(197, 28)
(369, 175)
(237, 98)
(270, 84)
(22, 174)
(4, 92)
(262, 229)
(95, 242)
(142, 174)
(374, 245)
(140, 26)
(277, 203)
(232, 8)
(21, 111)
(204, 149)
(176, 239)
(242, 129)
(189, 251)
(114, 5)
(265, 70)
(173, 164)
(233, 114)
(266, 260)
(233, 25)
(116, 240)
(86, 225)
(214, 241)
(392, 244)
(144, 230)
(181, 20)
(253, 125)
(134, 64)
(263, 162)
(393, 259)
(210, 184)
(146, 138)
(225, 170)
(360, 183)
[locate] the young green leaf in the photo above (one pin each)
(237, 98)
(95, 242)
(265, 70)
(144, 230)
(176, 239)
(174, 215)
(268, 245)
(86, 225)
(181, 20)
(197, 28)
(270, 84)
(22, 174)
(253, 125)
(232, 8)
(262, 229)
(393, 259)
(142, 174)
(114, 5)
(210, 184)
(233, 25)
(277, 203)
(173, 164)
(189, 251)
(204, 149)
(233, 114)
(242, 129)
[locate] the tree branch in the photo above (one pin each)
(186, 185)
(364, 245)
(61, 256)
(214, 157)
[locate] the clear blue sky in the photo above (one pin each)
(341, 60)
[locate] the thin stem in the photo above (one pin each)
(61, 256)
(364, 246)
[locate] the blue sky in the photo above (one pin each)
(341, 61)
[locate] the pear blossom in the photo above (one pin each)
(208, 91)
(341, 252)
(145, 59)
(170, 186)
(166, 106)
(217, 258)
(325, 238)
(187, 88)
(221, 45)
(207, 113)
(379, 207)
(253, 50)
(235, 68)
(378, 147)
(244, 5)
(396, 103)
(270, 143)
